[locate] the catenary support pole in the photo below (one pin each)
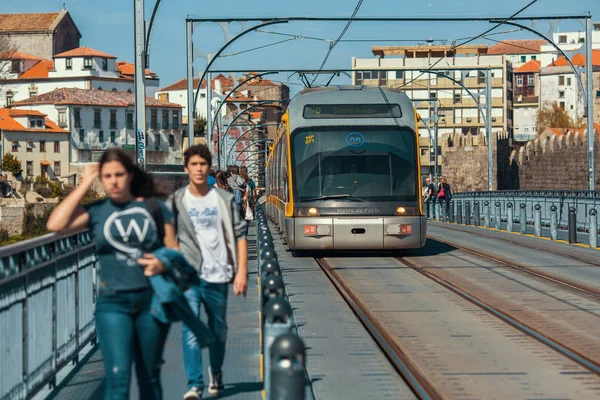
(189, 32)
(488, 128)
(140, 87)
(590, 101)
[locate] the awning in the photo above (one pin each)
(45, 162)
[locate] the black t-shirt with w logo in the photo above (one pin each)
(123, 233)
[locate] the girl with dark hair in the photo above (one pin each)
(222, 181)
(125, 231)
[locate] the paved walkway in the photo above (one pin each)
(242, 360)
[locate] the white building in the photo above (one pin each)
(40, 145)
(568, 41)
(559, 84)
(527, 100)
(99, 119)
(80, 68)
(177, 93)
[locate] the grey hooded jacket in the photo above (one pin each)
(234, 228)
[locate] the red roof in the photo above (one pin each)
(34, 22)
(530, 66)
(8, 123)
(578, 59)
(516, 47)
(128, 69)
(39, 70)
(83, 52)
(17, 55)
(69, 96)
(226, 82)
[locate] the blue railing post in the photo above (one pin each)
(451, 211)
(477, 216)
(553, 223)
(523, 218)
(287, 380)
(467, 212)
(459, 212)
(509, 217)
(537, 220)
(498, 218)
(572, 225)
(486, 214)
(593, 228)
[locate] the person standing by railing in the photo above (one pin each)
(125, 233)
(444, 195)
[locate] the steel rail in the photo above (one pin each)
(400, 360)
(581, 359)
(580, 287)
(529, 246)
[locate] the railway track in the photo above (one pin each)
(411, 370)
(569, 283)
(574, 355)
(415, 379)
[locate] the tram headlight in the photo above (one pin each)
(400, 211)
(308, 212)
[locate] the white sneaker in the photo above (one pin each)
(193, 394)
(215, 384)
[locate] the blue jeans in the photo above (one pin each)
(214, 298)
(126, 331)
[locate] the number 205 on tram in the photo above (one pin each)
(344, 171)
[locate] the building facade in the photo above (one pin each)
(80, 68)
(407, 68)
(38, 142)
(559, 84)
(42, 35)
(518, 52)
(98, 120)
(527, 100)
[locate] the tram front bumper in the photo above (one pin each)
(358, 233)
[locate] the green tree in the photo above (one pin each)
(200, 126)
(12, 164)
(553, 116)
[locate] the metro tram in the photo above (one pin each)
(344, 171)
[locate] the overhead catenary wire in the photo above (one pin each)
(454, 47)
(332, 45)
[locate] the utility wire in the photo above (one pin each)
(332, 45)
(454, 47)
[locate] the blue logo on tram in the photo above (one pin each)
(355, 140)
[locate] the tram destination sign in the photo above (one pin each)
(321, 111)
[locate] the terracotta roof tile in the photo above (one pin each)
(226, 82)
(516, 47)
(93, 98)
(39, 70)
(128, 69)
(8, 123)
(34, 22)
(17, 55)
(83, 52)
(530, 66)
(578, 60)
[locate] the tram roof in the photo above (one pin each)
(347, 95)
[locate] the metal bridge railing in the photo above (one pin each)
(582, 200)
(47, 296)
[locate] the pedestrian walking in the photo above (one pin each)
(125, 233)
(444, 196)
(211, 236)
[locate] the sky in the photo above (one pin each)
(107, 26)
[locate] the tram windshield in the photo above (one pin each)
(355, 164)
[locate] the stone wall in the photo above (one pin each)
(554, 162)
(12, 213)
(465, 162)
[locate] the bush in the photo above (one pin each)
(35, 225)
(43, 191)
(12, 164)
